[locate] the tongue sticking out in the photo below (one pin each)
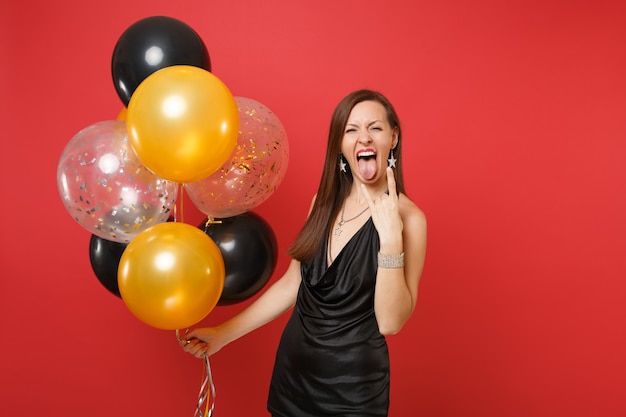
(367, 168)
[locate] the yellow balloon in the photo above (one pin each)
(183, 123)
(122, 115)
(171, 275)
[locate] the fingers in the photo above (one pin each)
(184, 338)
(391, 182)
(195, 342)
(181, 339)
(195, 347)
(189, 343)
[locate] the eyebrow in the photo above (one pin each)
(371, 123)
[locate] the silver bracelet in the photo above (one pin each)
(394, 260)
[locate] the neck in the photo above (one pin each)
(374, 190)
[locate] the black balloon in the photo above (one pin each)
(105, 256)
(248, 245)
(151, 44)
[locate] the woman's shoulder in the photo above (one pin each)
(410, 212)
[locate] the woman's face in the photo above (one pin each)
(367, 140)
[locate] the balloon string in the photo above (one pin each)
(206, 388)
(181, 198)
(209, 221)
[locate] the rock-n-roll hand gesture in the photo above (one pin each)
(385, 213)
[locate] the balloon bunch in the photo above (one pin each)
(180, 128)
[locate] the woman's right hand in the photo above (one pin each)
(202, 341)
(279, 297)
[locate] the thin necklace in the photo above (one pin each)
(339, 228)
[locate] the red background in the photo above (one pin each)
(514, 115)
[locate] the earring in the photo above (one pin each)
(342, 163)
(391, 161)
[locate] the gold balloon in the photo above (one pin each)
(171, 275)
(183, 123)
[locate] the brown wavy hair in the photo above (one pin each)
(335, 186)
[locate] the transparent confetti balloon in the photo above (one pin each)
(106, 189)
(254, 170)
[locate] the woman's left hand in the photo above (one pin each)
(385, 213)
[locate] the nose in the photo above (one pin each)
(364, 137)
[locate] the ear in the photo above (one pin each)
(394, 141)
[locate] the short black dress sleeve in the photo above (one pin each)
(332, 359)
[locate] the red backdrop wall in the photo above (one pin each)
(514, 117)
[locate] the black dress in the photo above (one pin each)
(332, 359)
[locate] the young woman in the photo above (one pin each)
(353, 278)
